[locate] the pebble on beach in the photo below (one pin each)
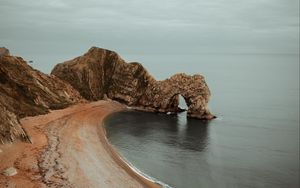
(11, 171)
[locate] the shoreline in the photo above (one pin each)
(129, 166)
(69, 149)
(130, 169)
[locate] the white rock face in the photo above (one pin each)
(11, 171)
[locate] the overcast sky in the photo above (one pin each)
(150, 26)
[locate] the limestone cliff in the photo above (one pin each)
(28, 92)
(103, 73)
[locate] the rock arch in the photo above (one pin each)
(193, 89)
(102, 72)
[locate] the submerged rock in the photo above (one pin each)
(25, 91)
(11, 171)
(102, 73)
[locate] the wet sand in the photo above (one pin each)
(69, 149)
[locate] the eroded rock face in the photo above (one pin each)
(28, 92)
(103, 73)
(165, 95)
(10, 128)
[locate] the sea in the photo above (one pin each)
(253, 142)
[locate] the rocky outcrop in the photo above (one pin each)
(102, 73)
(10, 128)
(4, 51)
(165, 95)
(28, 92)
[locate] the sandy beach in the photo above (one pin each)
(69, 149)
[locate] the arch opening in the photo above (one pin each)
(182, 104)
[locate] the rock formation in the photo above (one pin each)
(28, 92)
(4, 51)
(98, 74)
(102, 73)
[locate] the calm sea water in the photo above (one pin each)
(254, 142)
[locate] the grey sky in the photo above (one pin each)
(148, 26)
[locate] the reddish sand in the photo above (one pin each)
(69, 150)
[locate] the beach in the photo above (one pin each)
(69, 149)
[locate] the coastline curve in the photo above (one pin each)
(70, 149)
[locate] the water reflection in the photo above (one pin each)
(172, 130)
(193, 153)
(196, 136)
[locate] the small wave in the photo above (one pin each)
(136, 170)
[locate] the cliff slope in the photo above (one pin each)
(28, 92)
